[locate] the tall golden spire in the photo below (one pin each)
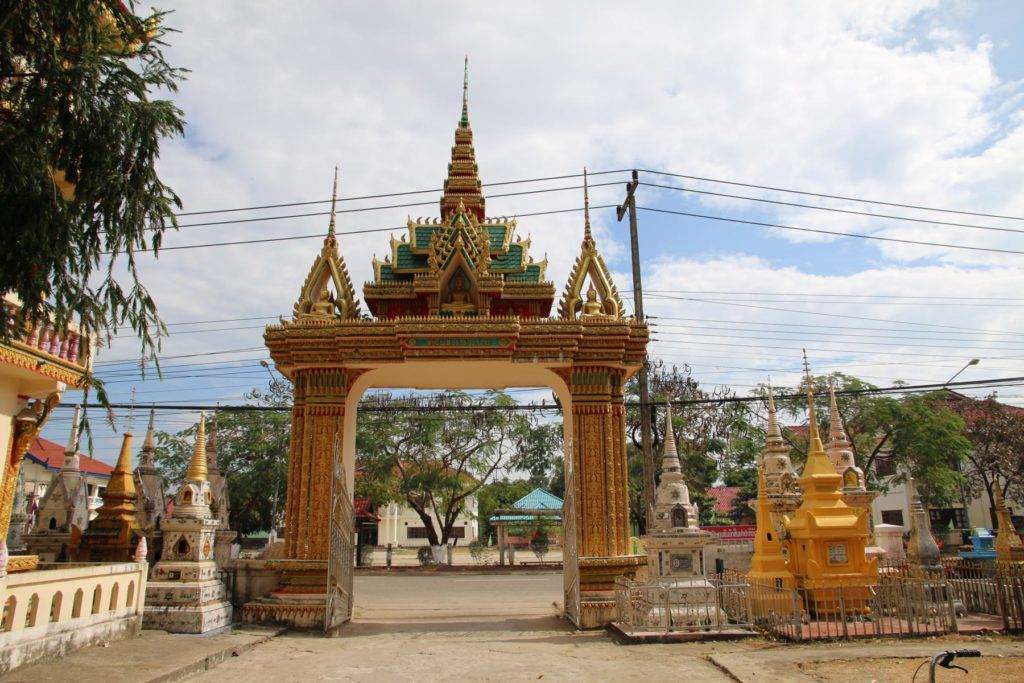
(119, 496)
(197, 467)
(334, 201)
(586, 207)
(463, 183)
(819, 474)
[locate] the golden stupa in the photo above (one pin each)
(826, 538)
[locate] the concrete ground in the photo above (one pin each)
(502, 627)
(499, 626)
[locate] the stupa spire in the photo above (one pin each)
(121, 486)
(836, 431)
(462, 187)
(586, 207)
(819, 474)
(149, 443)
(464, 121)
(197, 467)
(774, 435)
(670, 455)
(71, 462)
(334, 202)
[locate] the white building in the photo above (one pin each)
(399, 525)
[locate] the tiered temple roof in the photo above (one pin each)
(460, 263)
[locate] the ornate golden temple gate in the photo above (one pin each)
(459, 303)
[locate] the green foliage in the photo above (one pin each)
(77, 79)
(424, 556)
(252, 453)
(434, 460)
(540, 539)
(479, 551)
(996, 433)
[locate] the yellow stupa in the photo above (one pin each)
(113, 535)
(826, 538)
(770, 579)
(1008, 545)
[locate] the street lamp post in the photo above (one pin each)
(973, 361)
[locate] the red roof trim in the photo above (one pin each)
(51, 456)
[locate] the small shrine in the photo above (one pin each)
(220, 505)
(1008, 545)
(184, 594)
(150, 487)
(826, 538)
(114, 534)
(19, 517)
(63, 512)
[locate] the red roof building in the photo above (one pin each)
(51, 456)
(724, 497)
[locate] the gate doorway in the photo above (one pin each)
(438, 375)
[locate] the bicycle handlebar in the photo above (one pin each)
(967, 653)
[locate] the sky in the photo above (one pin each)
(916, 103)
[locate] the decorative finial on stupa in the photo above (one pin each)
(774, 435)
(464, 121)
(586, 207)
(670, 456)
(197, 468)
(141, 550)
(121, 484)
(149, 443)
(813, 435)
(71, 450)
(922, 550)
(334, 202)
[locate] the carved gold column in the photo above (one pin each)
(22, 434)
(317, 419)
(599, 433)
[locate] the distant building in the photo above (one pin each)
(400, 526)
(45, 458)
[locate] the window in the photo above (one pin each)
(892, 517)
(113, 597)
(131, 594)
(76, 606)
(458, 532)
(33, 609)
(885, 466)
(9, 608)
(416, 532)
(58, 597)
(97, 595)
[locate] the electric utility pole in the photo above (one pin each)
(629, 205)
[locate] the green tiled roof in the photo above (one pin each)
(511, 260)
(497, 235)
(531, 274)
(406, 260)
(422, 234)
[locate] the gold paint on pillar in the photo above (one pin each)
(27, 425)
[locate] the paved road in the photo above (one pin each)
(467, 628)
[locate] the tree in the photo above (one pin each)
(80, 133)
(252, 454)
(703, 433)
(994, 461)
(919, 434)
(434, 460)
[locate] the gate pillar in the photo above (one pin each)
(601, 489)
(318, 417)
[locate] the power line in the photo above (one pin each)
(836, 233)
(904, 389)
(835, 327)
(399, 194)
(848, 295)
(834, 209)
(347, 232)
(830, 315)
(834, 196)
